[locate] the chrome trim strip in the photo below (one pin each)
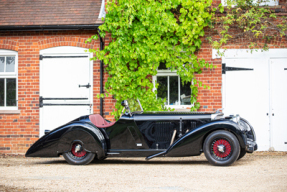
(108, 153)
(135, 150)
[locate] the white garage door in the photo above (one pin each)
(255, 87)
(65, 86)
(278, 103)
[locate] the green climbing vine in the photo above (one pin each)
(250, 22)
(146, 33)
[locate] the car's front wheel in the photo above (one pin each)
(78, 155)
(221, 148)
(242, 154)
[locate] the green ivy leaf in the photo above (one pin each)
(145, 34)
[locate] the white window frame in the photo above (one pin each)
(7, 75)
(165, 73)
(271, 3)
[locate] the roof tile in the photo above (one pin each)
(52, 12)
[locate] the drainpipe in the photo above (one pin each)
(101, 74)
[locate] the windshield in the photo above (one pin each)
(135, 106)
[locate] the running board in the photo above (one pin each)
(155, 155)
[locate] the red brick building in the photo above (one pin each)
(26, 29)
(47, 79)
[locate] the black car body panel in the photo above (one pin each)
(59, 140)
(145, 134)
(192, 142)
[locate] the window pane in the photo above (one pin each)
(2, 61)
(10, 64)
(185, 93)
(173, 90)
(162, 88)
(11, 92)
(1, 92)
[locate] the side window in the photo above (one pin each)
(171, 88)
(8, 80)
(270, 2)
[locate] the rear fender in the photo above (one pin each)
(91, 137)
(191, 143)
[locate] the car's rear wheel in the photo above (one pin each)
(221, 148)
(78, 155)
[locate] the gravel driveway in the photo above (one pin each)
(255, 172)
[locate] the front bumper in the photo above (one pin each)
(251, 146)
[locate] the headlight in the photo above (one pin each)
(243, 126)
(250, 129)
(236, 118)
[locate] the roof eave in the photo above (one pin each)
(48, 27)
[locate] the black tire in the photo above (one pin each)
(78, 158)
(242, 154)
(221, 148)
(101, 159)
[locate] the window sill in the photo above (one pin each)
(182, 110)
(10, 111)
(179, 107)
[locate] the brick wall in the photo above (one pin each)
(211, 100)
(19, 131)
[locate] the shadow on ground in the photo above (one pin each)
(132, 162)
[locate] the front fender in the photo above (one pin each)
(192, 142)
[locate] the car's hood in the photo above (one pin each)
(166, 115)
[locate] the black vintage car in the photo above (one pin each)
(149, 134)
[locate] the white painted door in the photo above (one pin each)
(259, 95)
(65, 87)
(247, 94)
(278, 104)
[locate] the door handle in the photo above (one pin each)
(267, 114)
(87, 86)
(272, 114)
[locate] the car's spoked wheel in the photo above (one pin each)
(78, 155)
(221, 148)
(78, 152)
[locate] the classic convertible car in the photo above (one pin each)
(149, 134)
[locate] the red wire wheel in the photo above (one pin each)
(221, 148)
(78, 154)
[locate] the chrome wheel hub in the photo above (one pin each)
(221, 148)
(78, 148)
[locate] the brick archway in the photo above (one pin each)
(67, 41)
(9, 45)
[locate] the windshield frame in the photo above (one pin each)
(128, 108)
(140, 105)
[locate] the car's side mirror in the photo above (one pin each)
(124, 103)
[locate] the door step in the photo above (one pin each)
(155, 155)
